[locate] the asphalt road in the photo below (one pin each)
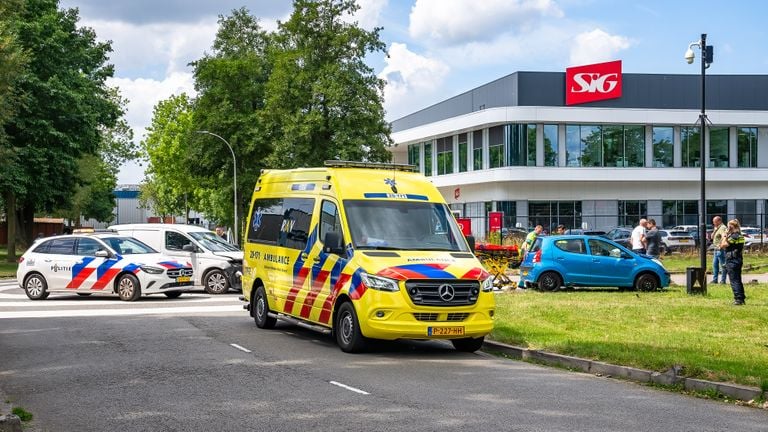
(198, 363)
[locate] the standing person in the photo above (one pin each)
(531, 237)
(220, 232)
(733, 243)
(718, 262)
(652, 239)
(560, 230)
(638, 237)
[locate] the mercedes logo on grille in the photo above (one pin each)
(446, 292)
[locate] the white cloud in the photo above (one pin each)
(597, 46)
(460, 21)
(369, 13)
(410, 78)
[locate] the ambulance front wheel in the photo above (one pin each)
(347, 330)
(261, 310)
(467, 344)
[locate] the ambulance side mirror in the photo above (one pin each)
(471, 242)
(332, 243)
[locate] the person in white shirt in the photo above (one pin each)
(638, 237)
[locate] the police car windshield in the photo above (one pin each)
(128, 245)
(403, 225)
(213, 242)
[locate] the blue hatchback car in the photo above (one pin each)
(582, 260)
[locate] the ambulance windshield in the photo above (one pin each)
(403, 225)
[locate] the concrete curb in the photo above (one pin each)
(668, 378)
(8, 422)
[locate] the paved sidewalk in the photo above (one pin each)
(679, 278)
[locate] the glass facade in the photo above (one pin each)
(463, 152)
(428, 158)
(477, 150)
(550, 214)
(630, 212)
(746, 148)
(746, 212)
(414, 157)
(663, 147)
(496, 147)
(679, 213)
(550, 145)
(605, 146)
(521, 144)
(718, 147)
(444, 155)
(690, 140)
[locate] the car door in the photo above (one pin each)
(174, 243)
(89, 271)
(326, 268)
(610, 267)
(570, 255)
(59, 262)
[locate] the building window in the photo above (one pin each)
(717, 208)
(718, 147)
(634, 147)
(477, 150)
(463, 152)
(630, 212)
(413, 156)
(679, 213)
(521, 139)
(663, 149)
(550, 145)
(510, 217)
(747, 147)
(496, 146)
(444, 155)
(428, 158)
(550, 214)
(746, 212)
(572, 145)
(690, 139)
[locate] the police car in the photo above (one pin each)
(88, 264)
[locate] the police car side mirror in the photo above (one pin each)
(101, 253)
(189, 247)
(332, 243)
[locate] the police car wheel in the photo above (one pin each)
(348, 334)
(36, 287)
(261, 310)
(467, 344)
(216, 282)
(128, 288)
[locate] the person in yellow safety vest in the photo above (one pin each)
(531, 237)
(733, 244)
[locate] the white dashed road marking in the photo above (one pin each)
(344, 386)
(241, 348)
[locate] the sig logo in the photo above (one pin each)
(593, 82)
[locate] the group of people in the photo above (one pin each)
(728, 242)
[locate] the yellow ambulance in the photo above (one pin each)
(363, 251)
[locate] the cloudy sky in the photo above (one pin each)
(437, 48)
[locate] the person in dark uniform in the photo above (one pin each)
(733, 244)
(652, 239)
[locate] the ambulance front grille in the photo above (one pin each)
(452, 317)
(457, 316)
(420, 316)
(442, 292)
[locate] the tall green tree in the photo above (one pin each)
(68, 105)
(323, 101)
(230, 81)
(169, 185)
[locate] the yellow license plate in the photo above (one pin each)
(445, 331)
(183, 279)
(683, 240)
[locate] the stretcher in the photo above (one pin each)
(497, 259)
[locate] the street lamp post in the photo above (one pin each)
(706, 60)
(234, 183)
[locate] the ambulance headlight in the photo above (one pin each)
(380, 283)
(488, 284)
(152, 270)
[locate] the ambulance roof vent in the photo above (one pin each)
(374, 165)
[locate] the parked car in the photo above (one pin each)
(218, 264)
(100, 264)
(584, 232)
(676, 241)
(754, 238)
(583, 260)
(622, 236)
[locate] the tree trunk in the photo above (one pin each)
(26, 220)
(10, 212)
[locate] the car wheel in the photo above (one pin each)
(468, 344)
(36, 287)
(215, 282)
(261, 310)
(173, 294)
(128, 288)
(646, 282)
(550, 281)
(347, 330)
